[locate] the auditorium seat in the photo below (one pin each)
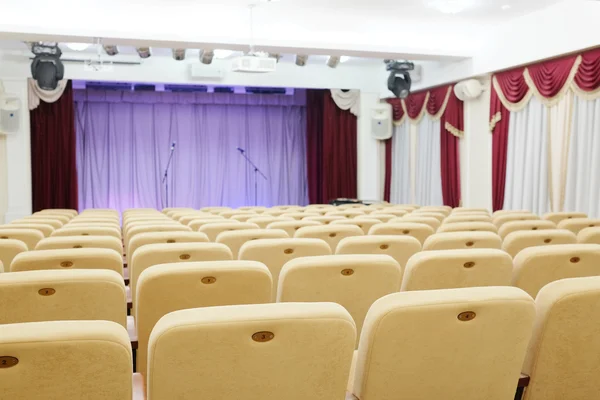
(418, 231)
(297, 216)
(64, 218)
(164, 253)
(449, 269)
(230, 213)
(502, 219)
(129, 225)
(468, 227)
(80, 242)
(519, 240)
(167, 209)
(235, 239)
(533, 225)
(264, 221)
(215, 210)
(435, 209)
(463, 240)
(562, 359)
(30, 237)
(63, 211)
(469, 211)
(54, 223)
(243, 217)
(288, 208)
(353, 281)
(382, 217)
(466, 344)
(390, 211)
(136, 230)
(198, 223)
(349, 213)
(408, 207)
(461, 218)
(331, 234)
(100, 211)
(274, 213)
(586, 235)
(274, 253)
(400, 248)
(324, 220)
(364, 222)
(256, 352)
(429, 214)
(213, 230)
(434, 223)
(68, 258)
(34, 296)
(9, 248)
(292, 226)
(576, 224)
(197, 284)
(535, 267)
(557, 217)
(142, 239)
(71, 230)
(505, 212)
(45, 229)
(66, 360)
(189, 218)
(91, 220)
(256, 209)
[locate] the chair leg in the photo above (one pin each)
(519, 393)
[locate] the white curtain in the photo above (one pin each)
(428, 182)
(583, 173)
(400, 185)
(527, 159)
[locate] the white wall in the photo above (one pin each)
(370, 153)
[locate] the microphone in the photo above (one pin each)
(173, 146)
(240, 150)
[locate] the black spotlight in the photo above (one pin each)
(46, 67)
(399, 81)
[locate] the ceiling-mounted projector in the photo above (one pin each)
(254, 63)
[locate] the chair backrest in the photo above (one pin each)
(332, 234)
(557, 217)
(63, 211)
(400, 248)
(292, 226)
(142, 239)
(231, 213)
(196, 224)
(235, 239)
(136, 227)
(243, 217)
(389, 211)
(434, 223)
(34, 296)
(165, 253)
(9, 248)
(382, 217)
(64, 218)
(215, 210)
(457, 218)
(535, 267)
(365, 223)
(136, 230)
(533, 225)
(73, 230)
(587, 235)
(274, 253)
(299, 215)
(256, 209)
(213, 230)
(470, 210)
(505, 212)
(354, 281)
(67, 360)
(80, 242)
(92, 221)
(519, 240)
(68, 259)
(577, 224)
(324, 220)
(438, 209)
(45, 229)
(189, 218)
(259, 352)
(562, 360)
(30, 237)
(468, 227)
(429, 214)
(349, 213)
(463, 240)
(264, 221)
(450, 269)
(410, 345)
(418, 231)
(500, 220)
(165, 288)
(32, 219)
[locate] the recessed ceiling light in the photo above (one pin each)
(506, 7)
(450, 6)
(221, 53)
(343, 59)
(78, 46)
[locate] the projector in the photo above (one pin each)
(254, 64)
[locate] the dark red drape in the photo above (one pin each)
(550, 76)
(588, 74)
(397, 115)
(453, 118)
(331, 149)
(414, 103)
(53, 154)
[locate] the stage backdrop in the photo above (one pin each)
(124, 140)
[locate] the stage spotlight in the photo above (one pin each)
(333, 61)
(301, 60)
(206, 56)
(399, 81)
(144, 52)
(111, 50)
(46, 67)
(179, 54)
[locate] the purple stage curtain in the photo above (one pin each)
(124, 139)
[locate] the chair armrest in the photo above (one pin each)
(132, 331)
(139, 387)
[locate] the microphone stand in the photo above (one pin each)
(256, 171)
(164, 180)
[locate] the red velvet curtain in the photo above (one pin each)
(453, 117)
(331, 149)
(550, 76)
(588, 75)
(53, 154)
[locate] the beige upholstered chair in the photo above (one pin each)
(500, 220)
(34, 296)
(215, 210)
(558, 217)
(92, 221)
(168, 209)
(382, 217)
(243, 217)
(349, 213)
(147, 218)
(468, 227)
(438, 209)
(434, 223)
(64, 218)
(463, 240)
(164, 253)
(54, 223)
(264, 221)
(134, 231)
(576, 224)
(390, 211)
(299, 215)
(130, 226)
(287, 208)
(505, 212)
(400, 248)
(461, 218)
(292, 226)
(466, 344)
(449, 269)
(587, 235)
(533, 225)
(62, 211)
(519, 240)
(274, 253)
(105, 212)
(213, 230)
(142, 239)
(562, 360)
(266, 351)
(256, 209)
(365, 223)
(332, 234)
(535, 267)
(231, 213)
(30, 237)
(80, 242)
(177, 215)
(324, 220)
(46, 229)
(68, 259)
(197, 284)
(418, 231)
(198, 223)
(429, 214)
(9, 248)
(201, 215)
(235, 239)
(469, 210)
(354, 281)
(67, 360)
(87, 231)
